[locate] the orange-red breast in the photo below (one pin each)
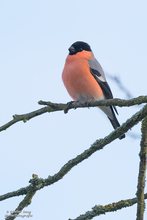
(85, 80)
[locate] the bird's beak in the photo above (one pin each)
(72, 50)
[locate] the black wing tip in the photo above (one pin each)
(116, 124)
(115, 110)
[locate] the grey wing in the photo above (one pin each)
(98, 74)
(95, 65)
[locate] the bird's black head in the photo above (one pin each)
(78, 47)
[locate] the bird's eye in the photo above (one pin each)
(81, 49)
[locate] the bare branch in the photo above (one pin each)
(142, 172)
(24, 203)
(107, 102)
(97, 145)
(30, 192)
(19, 192)
(103, 209)
(52, 107)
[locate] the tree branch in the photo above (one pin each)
(52, 107)
(30, 192)
(24, 203)
(19, 192)
(107, 102)
(97, 145)
(142, 171)
(103, 209)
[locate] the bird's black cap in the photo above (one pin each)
(78, 46)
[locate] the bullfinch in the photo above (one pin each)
(85, 80)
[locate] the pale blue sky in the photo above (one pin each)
(34, 38)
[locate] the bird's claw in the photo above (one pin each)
(87, 104)
(69, 106)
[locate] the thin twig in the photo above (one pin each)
(142, 172)
(103, 209)
(52, 107)
(120, 85)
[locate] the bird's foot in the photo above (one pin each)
(69, 106)
(87, 103)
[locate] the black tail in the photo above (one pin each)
(116, 124)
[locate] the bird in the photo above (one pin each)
(84, 79)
